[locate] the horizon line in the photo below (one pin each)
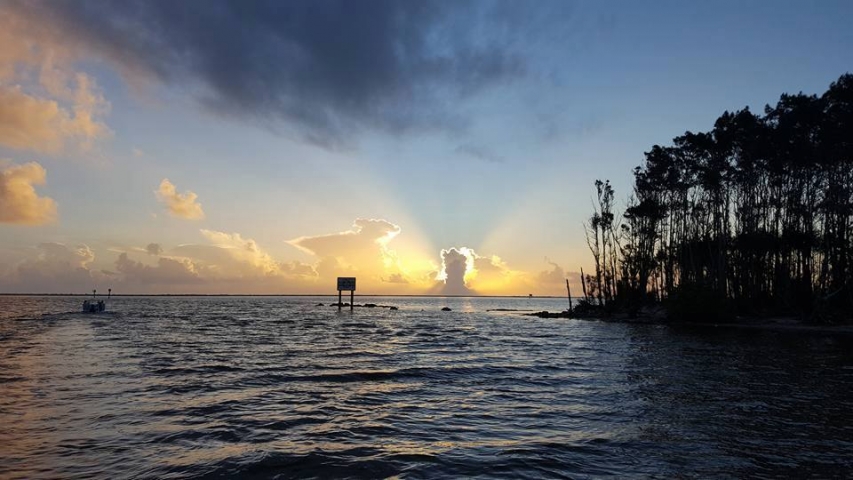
(270, 295)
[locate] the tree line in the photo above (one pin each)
(753, 217)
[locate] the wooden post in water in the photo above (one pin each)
(346, 283)
(569, 293)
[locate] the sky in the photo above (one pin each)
(428, 147)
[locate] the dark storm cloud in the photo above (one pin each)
(327, 68)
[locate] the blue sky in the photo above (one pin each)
(494, 150)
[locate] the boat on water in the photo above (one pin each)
(94, 305)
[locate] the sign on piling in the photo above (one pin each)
(346, 283)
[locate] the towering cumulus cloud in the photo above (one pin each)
(455, 263)
(326, 68)
(181, 205)
(19, 202)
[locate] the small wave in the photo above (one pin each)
(392, 374)
(359, 462)
(201, 435)
(201, 369)
(11, 379)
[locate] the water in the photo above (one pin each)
(278, 387)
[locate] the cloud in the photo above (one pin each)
(554, 280)
(168, 271)
(396, 278)
(298, 269)
(464, 272)
(555, 275)
(480, 153)
(232, 263)
(52, 268)
(328, 69)
(365, 252)
(46, 105)
(455, 263)
(181, 205)
(229, 263)
(19, 202)
(43, 125)
(364, 247)
(243, 254)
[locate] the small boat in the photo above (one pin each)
(94, 305)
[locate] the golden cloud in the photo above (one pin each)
(233, 263)
(365, 236)
(243, 254)
(362, 251)
(230, 263)
(19, 202)
(181, 205)
(45, 104)
(42, 125)
(464, 272)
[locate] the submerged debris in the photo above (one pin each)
(365, 305)
(546, 314)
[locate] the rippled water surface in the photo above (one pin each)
(280, 387)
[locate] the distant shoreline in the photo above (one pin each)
(266, 295)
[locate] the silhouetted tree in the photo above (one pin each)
(602, 239)
(756, 214)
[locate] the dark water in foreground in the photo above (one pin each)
(276, 387)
